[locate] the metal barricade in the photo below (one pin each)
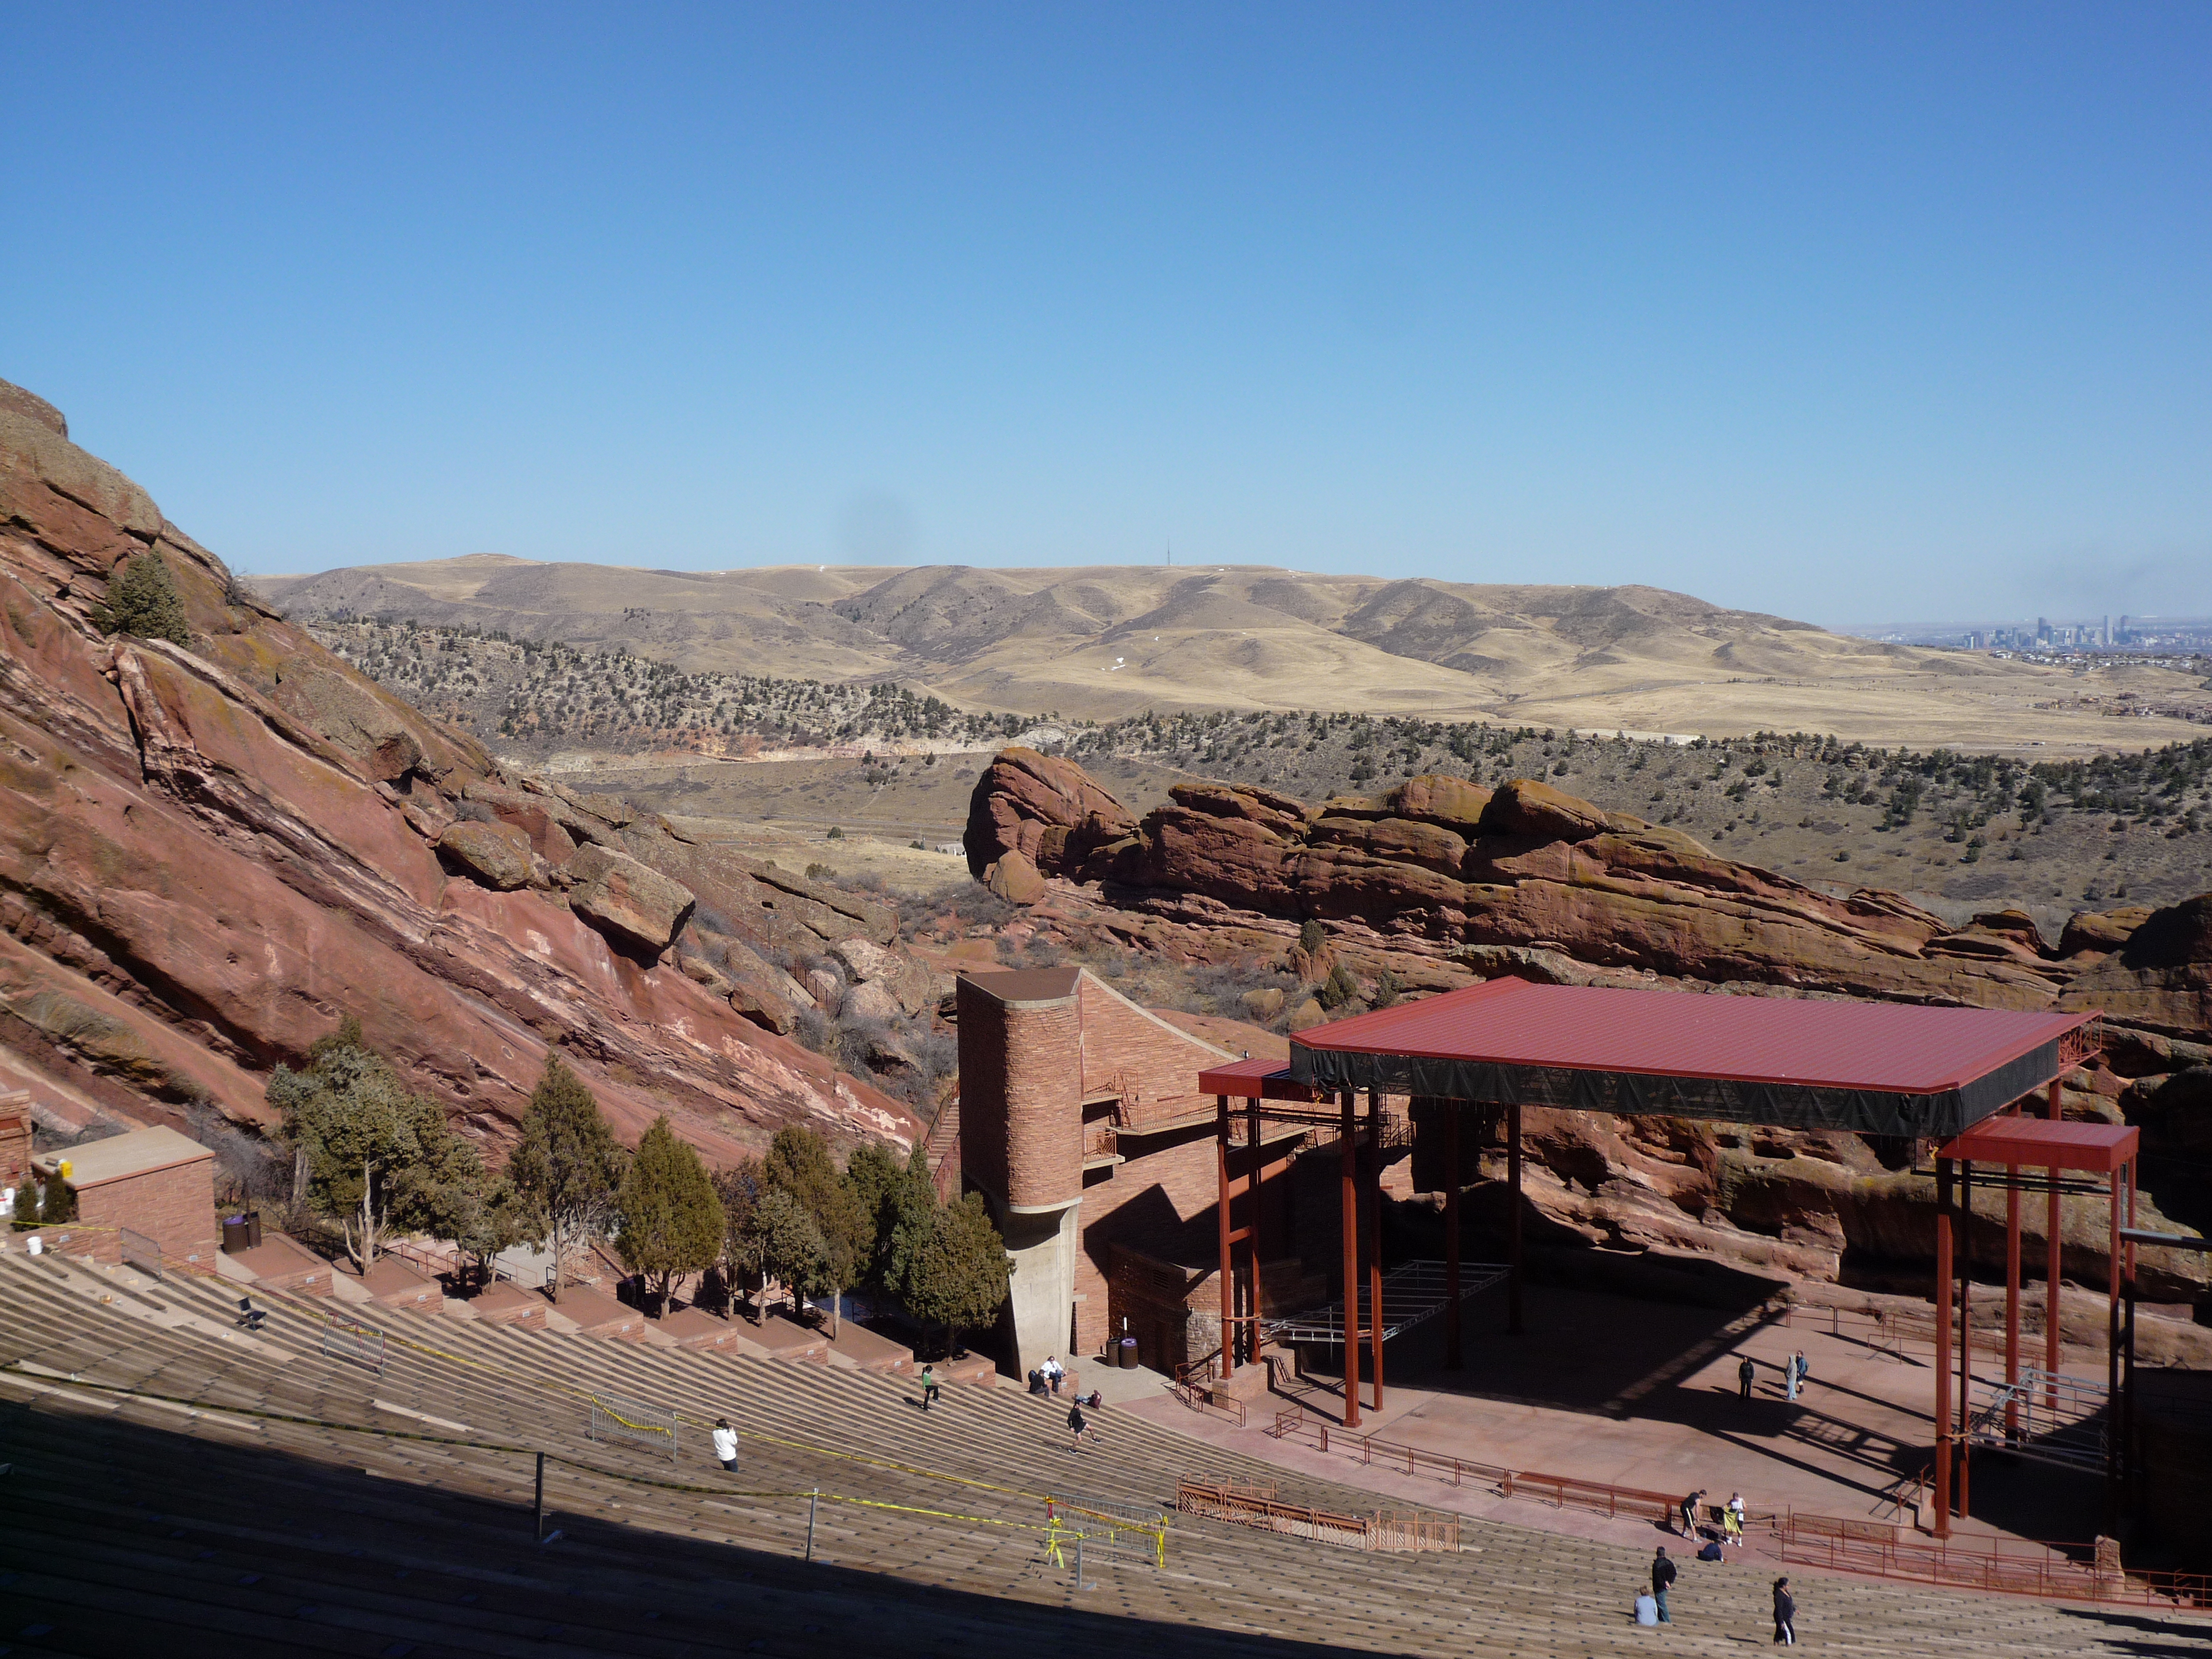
(1103, 1533)
(140, 1252)
(351, 1339)
(617, 1419)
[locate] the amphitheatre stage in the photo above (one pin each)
(1955, 1079)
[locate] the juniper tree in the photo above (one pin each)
(798, 1163)
(142, 599)
(784, 1244)
(957, 1277)
(567, 1167)
(380, 1157)
(671, 1219)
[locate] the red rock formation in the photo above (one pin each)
(1442, 882)
(208, 856)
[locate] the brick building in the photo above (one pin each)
(154, 1182)
(14, 1139)
(1081, 1125)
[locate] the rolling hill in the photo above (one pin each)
(1102, 641)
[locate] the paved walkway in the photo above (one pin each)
(1645, 1394)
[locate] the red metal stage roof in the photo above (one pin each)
(2036, 1143)
(1873, 1067)
(1888, 1046)
(1253, 1080)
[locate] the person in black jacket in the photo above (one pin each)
(1785, 1614)
(1744, 1374)
(1662, 1577)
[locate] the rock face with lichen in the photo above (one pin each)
(1442, 881)
(210, 853)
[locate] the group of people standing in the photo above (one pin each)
(1794, 1369)
(1652, 1609)
(1731, 1516)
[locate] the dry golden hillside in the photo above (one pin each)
(1106, 640)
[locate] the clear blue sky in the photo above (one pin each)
(1849, 311)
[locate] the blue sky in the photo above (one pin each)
(1845, 311)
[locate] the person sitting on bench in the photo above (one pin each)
(249, 1315)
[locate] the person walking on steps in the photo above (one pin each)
(1785, 1615)
(726, 1444)
(1663, 1579)
(1745, 1371)
(928, 1386)
(1077, 1425)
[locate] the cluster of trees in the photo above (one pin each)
(37, 1205)
(792, 1219)
(382, 1160)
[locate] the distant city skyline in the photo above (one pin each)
(1818, 311)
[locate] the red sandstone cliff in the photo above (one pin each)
(210, 855)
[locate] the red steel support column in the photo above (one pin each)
(1374, 1237)
(1943, 1347)
(2129, 1462)
(1228, 1280)
(2113, 1360)
(1351, 1174)
(1965, 1322)
(2054, 1252)
(1452, 1110)
(1252, 1185)
(1513, 1216)
(2012, 1300)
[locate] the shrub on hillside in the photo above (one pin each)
(142, 599)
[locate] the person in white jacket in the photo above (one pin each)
(726, 1444)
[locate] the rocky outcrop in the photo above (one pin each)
(210, 855)
(1442, 882)
(1046, 809)
(1441, 865)
(633, 904)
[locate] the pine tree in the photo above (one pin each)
(958, 1277)
(142, 599)
(567, 1167)
(671, 1221)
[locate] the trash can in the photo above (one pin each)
(237, 1234)
(1126, 1357)
(253, 1229)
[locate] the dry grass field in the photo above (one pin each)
(1104, 642)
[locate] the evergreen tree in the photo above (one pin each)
(671, 1221)
(958, 1277)
(567, 1167)
(142, 599)
(784, 1245)
(739, 1186)
(494, 1218)
(58, 1203)
(380, 1157)
(798, 1163)
(891, 1193)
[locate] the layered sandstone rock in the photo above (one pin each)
(210, 855)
